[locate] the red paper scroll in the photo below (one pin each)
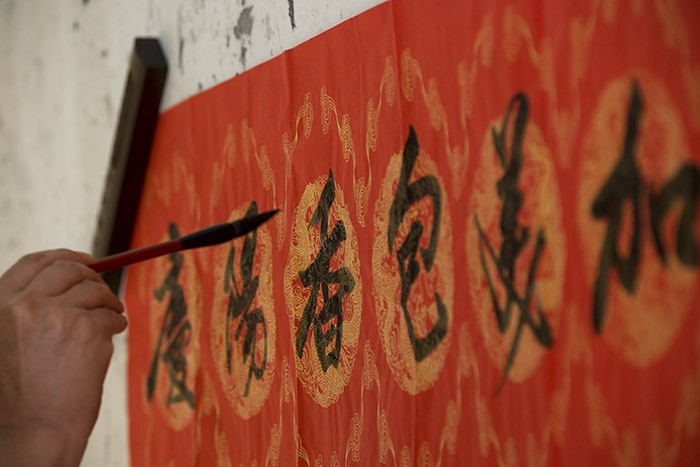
(487, 251)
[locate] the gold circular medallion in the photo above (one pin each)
(243, 329)
(323, 291)
(174, 312)
(640, 324)
(524, 272)
(415, 349)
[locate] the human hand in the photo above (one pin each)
(57, 318)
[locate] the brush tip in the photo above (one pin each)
(267, 214)
(255, 221)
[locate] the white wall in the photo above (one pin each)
(62, 70)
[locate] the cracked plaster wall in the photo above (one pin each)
(62, 69)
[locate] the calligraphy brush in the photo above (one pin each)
(213, 235)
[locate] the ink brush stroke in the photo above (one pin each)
(213, 235)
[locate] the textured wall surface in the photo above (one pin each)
(62, 71)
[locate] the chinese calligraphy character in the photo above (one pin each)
(319, 277)
(407, 195)
(515, 238)
(239, 306)
(175, 334)
(625, 184)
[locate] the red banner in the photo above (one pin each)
(487, 250)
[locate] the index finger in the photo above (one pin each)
(23, 271)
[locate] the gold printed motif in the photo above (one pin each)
(209, 404)
(370, 377)
(221, 168)
(324, 387)
(230, 147)
(405, 457)
(287, 396)
(249, 145)
(245, 392)
(412, 376)
(360, 189)
(482, 54)
(374, 112)
(425, 458)
(412, 76)
(305, 116)
(344, 132)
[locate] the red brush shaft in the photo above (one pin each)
(120, 260)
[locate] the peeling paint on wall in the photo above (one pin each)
(243, 30)
(244, 26)
(291, 13)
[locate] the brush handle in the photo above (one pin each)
(215, 234)
(126, 258)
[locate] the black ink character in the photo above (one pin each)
(318, 276)
(408, 194)
(239, 306)
(175, 334)
(515, 238)
(625, 185)
(685, 186)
